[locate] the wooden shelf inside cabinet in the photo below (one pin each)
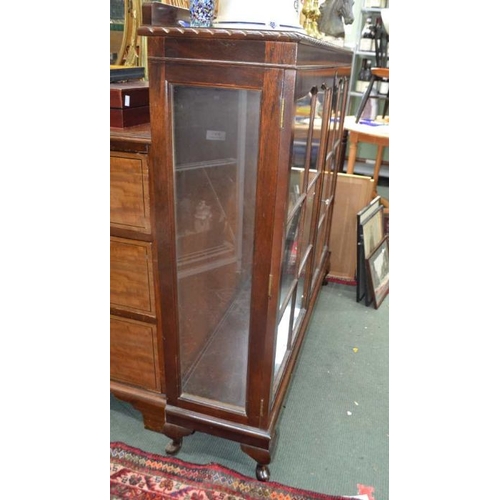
(243, 194)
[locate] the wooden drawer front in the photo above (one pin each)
(133, 356)
(131, 276)
(129, 198)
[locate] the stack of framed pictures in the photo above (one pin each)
(372, 276)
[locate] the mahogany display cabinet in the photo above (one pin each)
(246, 137)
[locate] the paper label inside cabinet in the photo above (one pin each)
(216, 135)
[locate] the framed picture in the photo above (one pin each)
(377, 266)
(373, 230)
(368, 211)
(362, 216)
(369, 234)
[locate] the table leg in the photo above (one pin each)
(376, 168)
(351, 160)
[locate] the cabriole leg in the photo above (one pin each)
(175, 433)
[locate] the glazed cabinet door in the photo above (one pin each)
(215, 159)
(312, 177)
(219, 173)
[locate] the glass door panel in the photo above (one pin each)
(303, 181)
(304, 154)
(283, 338)
(290, 262)
(215, 163)
(300, 305)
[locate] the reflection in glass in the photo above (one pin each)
(305, 237)
(215, 155)
(282, 344)
(320, 250)
(307, 128)
(289, 264)
(300, 306)
(116, 28)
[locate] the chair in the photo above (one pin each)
(379, 71)
(377, 75)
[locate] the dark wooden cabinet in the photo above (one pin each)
(246, 134)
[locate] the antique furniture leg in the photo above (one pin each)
(263, 459)
(175, 433)
(262, 456)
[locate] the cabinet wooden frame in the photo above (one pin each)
(281, 67)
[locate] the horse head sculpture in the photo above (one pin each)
(333, 15)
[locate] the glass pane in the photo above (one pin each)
(320, 244)
(289, 264)
(307, 124)
(215, 161)
(299, 309)
(306, 232)
(282, 343)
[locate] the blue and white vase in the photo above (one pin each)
(201, 12)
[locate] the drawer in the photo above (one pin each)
(129, 196)
(131, 276)
(134, 353)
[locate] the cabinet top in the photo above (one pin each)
(237, 34)
(245, 46)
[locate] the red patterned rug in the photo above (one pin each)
(138, 475)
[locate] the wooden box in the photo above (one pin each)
(129, 95)
(159, 14)
(128, 117)
(129, 104)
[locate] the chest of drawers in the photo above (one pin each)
(136, 356)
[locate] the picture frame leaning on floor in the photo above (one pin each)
(370, 231)
(377, 265)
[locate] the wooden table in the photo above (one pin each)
(378, 135)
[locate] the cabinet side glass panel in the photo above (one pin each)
(216, 133)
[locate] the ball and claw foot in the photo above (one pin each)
(262, 472)
(173, 447)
